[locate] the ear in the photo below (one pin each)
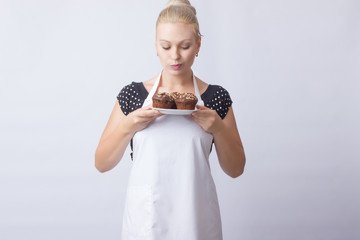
(198, 44)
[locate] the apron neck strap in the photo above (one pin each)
(197, 92)
(148, 100)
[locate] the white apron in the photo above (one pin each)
(171, 193)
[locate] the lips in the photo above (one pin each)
(176, 66)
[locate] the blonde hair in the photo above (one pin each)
(180, 11)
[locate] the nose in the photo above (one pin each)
(175, 53)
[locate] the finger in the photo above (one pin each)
(200, 114)
(201, 107)
(147, 115)
(198, 118)
(147, 107)
(195, 115)
(156, 115)
(194, 118)
(151, 116)
(151, 113)
(200, 122)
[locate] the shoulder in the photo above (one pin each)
(148, 84)
(201, 85)
(131, 97)
(132, 90)
(217, 98)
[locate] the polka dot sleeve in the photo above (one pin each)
(131, 97)
(218, 98)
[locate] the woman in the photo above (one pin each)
(171, 193)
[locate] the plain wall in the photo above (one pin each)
(292, 69)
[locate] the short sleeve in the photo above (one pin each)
(131, 97)
(218, 98)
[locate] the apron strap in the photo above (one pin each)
(148, 100)
(197, 92)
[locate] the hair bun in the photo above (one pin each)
(181, 3)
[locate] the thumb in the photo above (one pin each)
(201, 107)
(147, 107)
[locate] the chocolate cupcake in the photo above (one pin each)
(186, 101)
(163, 100)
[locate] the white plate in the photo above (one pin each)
(175, 111)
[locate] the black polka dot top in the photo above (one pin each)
(215, 97)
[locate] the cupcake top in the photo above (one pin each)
(175, 95)
(186, 96)
(190, 96)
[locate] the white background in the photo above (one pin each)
(292, 69)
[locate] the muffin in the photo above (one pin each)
(185, 101)
(163, 100)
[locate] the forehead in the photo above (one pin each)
(174, 32)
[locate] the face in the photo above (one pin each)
(176, 47)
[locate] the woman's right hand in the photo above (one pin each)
(118, 132)
(141, 118)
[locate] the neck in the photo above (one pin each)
(177, 81)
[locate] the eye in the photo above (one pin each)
(166, 48)
(186, 47)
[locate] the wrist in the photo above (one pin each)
(219, 128)
(128, 126)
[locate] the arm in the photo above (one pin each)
(117, 134)
(229, 147)
(227, 140)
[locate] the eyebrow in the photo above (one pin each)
(163, 40)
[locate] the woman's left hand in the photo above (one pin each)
(208, 119)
